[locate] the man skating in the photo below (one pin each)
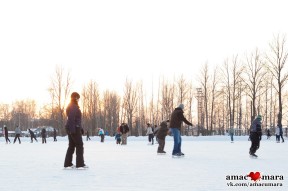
(255, 135)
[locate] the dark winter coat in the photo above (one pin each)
(74, 118)
(124, 129)
(256, 126)
(43, 133)
(31, 133)
(162, 131)
(5, 131)
(177, 118)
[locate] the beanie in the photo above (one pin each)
(181, 105)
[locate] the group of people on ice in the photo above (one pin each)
(18, 134)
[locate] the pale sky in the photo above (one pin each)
(110, 40)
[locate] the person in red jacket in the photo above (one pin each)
(176, 120)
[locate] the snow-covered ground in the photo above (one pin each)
(207, 164)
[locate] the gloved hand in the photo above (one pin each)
(82, 131)
(260, 137)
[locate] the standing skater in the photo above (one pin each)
(54, 134)
(17, 134)
(101, 134)
(124, 129)
(150, 133)
(6, 134)
(231, 133)
(32, 135)
(43, 134)
(176, 120)
(277, 134)
(118, 138)
(255, 135)
(74, 131)
(161, 135)
(87, 135)
(268, 134)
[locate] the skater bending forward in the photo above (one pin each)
(255, 135)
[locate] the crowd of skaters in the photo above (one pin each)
(173, 125)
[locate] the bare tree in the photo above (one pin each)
(276, 61)
(214, 94)
(91, 107)
(130, 101)
(232, 78)
(254, 83)
(111, 108)
(60, 89)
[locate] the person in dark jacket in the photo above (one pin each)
(118, 138)
(87, 135)
(124, 129)
(32, 135)
(6, 134)
(161, 135)
(176, 120)
(43, 135)
(74, 130)
(255, 135)
(54, 134)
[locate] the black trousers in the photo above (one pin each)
(102, 138)
(75, 141)
(43, 140)
(33, 138)
(255, 142)
(55, 138)
(17, 136)
(161, 145)
(7, 139)
(151, 138)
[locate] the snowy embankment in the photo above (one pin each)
(207, 163)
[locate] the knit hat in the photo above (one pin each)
(181, 105)
(259, 117)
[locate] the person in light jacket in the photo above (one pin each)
(17, 134)
(150, 133)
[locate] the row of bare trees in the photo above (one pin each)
(230, 95)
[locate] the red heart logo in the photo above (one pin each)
(254, 176)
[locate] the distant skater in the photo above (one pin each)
(124, 129)
(87, 135)
(43, 134)
(54, 135)
(231, 133)
(150, 133)
(161, 135)
(277, 134)
(118, 138)
(32, 135)
(268, 134)
(255, 135)
(6, 134)
(101, 134)
(17, 134)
